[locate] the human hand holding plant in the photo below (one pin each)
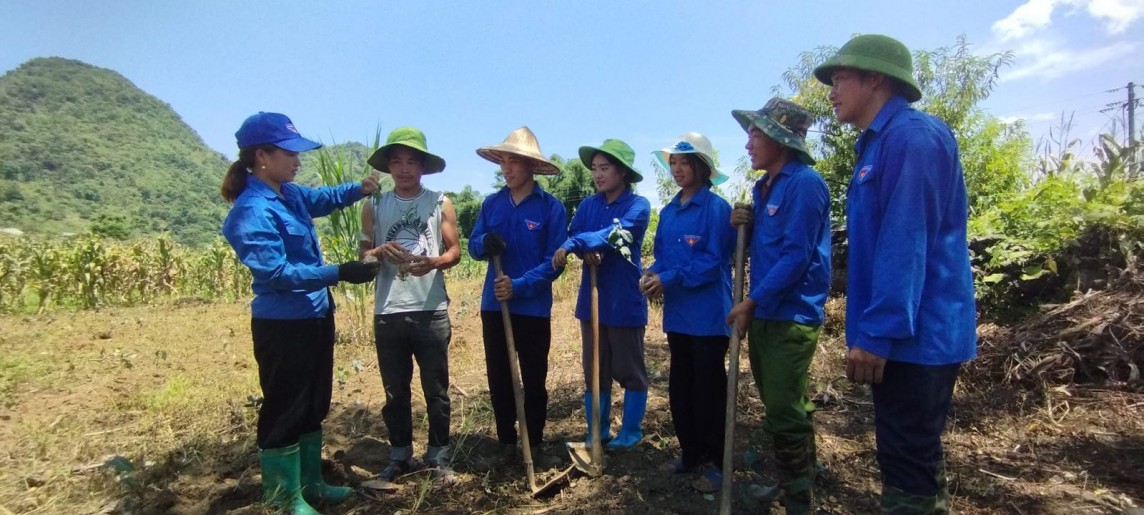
(650, 284)
(621, 240)
(371, 183)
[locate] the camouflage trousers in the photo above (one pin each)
(780, 353)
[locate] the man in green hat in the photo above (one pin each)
(910, 312)
(413, 232)
(789, 227)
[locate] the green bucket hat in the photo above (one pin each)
(615, 148)
(407, 137)
(874, 53)
(783, 121)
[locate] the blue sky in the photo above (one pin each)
(468, 73)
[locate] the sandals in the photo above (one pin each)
(396, 469)
(710, 480)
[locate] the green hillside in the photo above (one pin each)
(82, 148)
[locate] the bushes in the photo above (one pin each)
(1069, 231)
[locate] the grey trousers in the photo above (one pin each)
(621, 356)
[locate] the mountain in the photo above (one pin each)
(82, 148)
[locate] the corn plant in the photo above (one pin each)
(13, 273)
(340, 235)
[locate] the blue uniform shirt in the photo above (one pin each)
(274, 236)
(693, 247)
(533, 230)
(910, 288)
(790, 246)
(621, 303)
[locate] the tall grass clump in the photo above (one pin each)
(340, 235)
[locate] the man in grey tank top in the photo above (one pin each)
(413, 232)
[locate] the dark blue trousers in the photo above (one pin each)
(910, 408)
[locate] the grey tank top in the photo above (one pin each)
(415, 223)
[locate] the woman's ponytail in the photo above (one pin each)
(235, 181)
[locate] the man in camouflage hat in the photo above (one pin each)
(910, 313)
(789, 229)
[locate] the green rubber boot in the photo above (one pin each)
(896, 501)
(314, 489)
(281, 487)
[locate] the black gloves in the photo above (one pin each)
(494, 244)
(358, 272)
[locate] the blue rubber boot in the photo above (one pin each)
(281, 488)
(314, 488)
(631, 432)
(605, 417)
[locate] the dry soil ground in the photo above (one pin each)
(149, 410)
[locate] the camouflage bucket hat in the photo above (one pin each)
(407, 137)
(783, 121)
(874, 53)
(617, 149)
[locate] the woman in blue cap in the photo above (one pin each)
(623, 310)
(692, 272)
(271, 227)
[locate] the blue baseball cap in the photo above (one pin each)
(274, 129)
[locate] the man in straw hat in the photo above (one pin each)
(413, 232)
(622, 308)
(524, 225)
(910, 318)
(789, 226)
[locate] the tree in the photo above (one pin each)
(572, 185)
(113, 225)
(467, 204)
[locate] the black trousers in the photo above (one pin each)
(533, 337)
(400, 338)
(697, 394)
(296, 372)
(910, 408)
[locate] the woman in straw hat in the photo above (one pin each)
(271, 228)
(623, 309)
(413, 232)
(692, 272)
(524, 225)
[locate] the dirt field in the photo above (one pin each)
(149, 410)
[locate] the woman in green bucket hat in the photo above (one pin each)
(607, 231)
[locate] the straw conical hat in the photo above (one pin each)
(521, 142)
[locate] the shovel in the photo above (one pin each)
(590, 459)
(518, 396)
(732, 377)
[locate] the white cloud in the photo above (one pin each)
(1030, 16)
(1028, 118)
(1036, 15)
(1116, 14)
(1043, 58)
